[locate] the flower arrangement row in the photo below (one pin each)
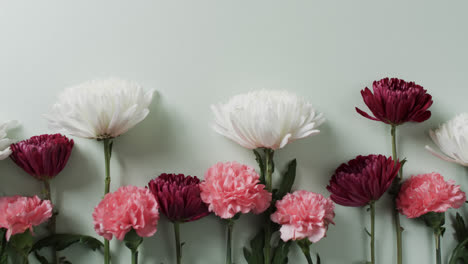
(263, 121)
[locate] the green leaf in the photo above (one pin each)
(281, 252)
(255, 256)
(318, 259)
(460, 253)
(3, 247)
(287, 180)
(461, 231)
(40, 258)
(63, 241)
(259, 160)
(22, 243)
(132, 240)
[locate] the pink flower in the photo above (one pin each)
(230, 188)
(362, 180)
(426, 193)
(396, 101)
(303, 214)
(18, 213)
(42, 156)
(127, 208)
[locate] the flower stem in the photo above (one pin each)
(305, 248)
(177, 241)
(230, 227)
(107, 157)
(372, 243)
(437, 236)
(396, 215)
(269, 183)
(51, 225)
(134, 256)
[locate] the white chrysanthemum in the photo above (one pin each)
(5, 142)
(100, 108)
(452, 140)
(266, 119)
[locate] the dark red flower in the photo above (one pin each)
(362, 180)
(396, 101)
(42, 156)
(179, 197)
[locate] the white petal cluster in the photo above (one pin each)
(100, 109)
(452, 140)
(266, 119)
(5, 142)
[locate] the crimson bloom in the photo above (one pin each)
(362, 180)
(44, 156)
(396, 101)
(179, 197)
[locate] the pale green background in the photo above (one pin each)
(196, 53)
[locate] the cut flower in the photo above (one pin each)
(231, 188)
(100, 109)
(395, 101)
(42, 156)
(362, 180)
(303, 214)
(266, 119)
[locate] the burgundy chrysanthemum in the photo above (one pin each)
(396, 101)
(42, 156)
(179, 197)
(362, 180)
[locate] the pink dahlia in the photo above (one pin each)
(303, 214)
(42, 156)
(127, 208)
(362, 180)
(426, 193)
(18, 213)
(179, 197)
(396, 101)
(231, 188)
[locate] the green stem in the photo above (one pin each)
(107, 157)
(51, 225)
(269, 186)
(134, 256)
(396, 215)
(437, 236)
(305, 248)
(177, 241)
(372, 243)
(230, 227)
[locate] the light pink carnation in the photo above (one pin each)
(230, 188)
(127, 208)
(18, 213)
(304, 214)
(426, 193)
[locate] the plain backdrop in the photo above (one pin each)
(196, 53)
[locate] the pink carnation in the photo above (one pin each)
(127, 208)
(304, 214)
(230, 188)
(426, 193)
(18, 214)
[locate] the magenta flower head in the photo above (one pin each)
(179, 197)
(44, 156)
(396, 101)
(362, 180)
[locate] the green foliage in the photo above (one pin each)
(287, 181)
(261, 165)
(132, 240)
(63, 241)
(281, 252)
(460, 253)
(255, 255)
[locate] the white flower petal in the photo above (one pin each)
(100, 108)
(452, 140)
(266, 119)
